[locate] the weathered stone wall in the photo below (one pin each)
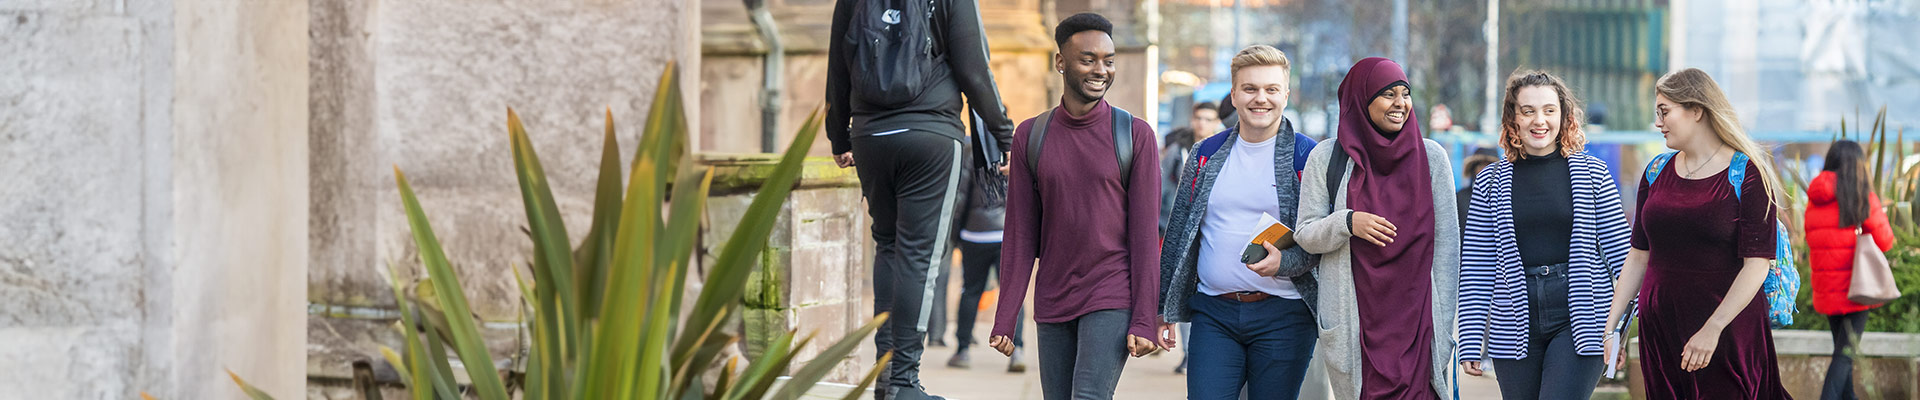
(424, 86)
(151, 234)
(813, 276)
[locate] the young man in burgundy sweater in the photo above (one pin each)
(1088, 210)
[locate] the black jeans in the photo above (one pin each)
(908, 179)
(1846, 335)
(977, 260)
(1081, 359)
(1552, 369)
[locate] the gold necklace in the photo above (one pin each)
(1696, 170)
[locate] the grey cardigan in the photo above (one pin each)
(1324, 231)
(1180, 248)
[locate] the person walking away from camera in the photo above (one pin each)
(1701, 253)
(1841, 206)
(896, 71)
(1545, 235)
(1252, 318)
(982, 223)
(1083, 199)
(1377, 205)
(1204, 122)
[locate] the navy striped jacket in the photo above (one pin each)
(1493, 292)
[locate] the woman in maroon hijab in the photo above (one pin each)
(1378, 205)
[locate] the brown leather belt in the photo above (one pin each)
(1246, 297)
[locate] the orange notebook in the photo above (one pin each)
(1270, 231)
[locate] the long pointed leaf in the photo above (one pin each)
(399, 366)
(859, 390)
(665, 126)
(826, 361)
(727, 278)
(616, 369)
(760, 377)
(543, 375)
(683, 225)
(685, 373)
(553, 265)
(420, 383)
(597, 251)
(466, 333)
(436, 358)
(251, 391)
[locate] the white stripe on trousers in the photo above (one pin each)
(940, 239)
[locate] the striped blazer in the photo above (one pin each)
(1493, 292)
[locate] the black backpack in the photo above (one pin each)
(893, 51)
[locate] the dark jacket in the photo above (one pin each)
(979, 209)
(964, 46)
(1180, 253)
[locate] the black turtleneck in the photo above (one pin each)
(1543, 208)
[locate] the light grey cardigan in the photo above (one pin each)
(1323, 230)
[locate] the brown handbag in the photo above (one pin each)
(1872, 275)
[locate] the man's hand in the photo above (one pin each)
(1006, 160)
(1001, 343)
(1169, 336)
(1139, 346)
(844, 159)
(1373, 228)
(1270, 266)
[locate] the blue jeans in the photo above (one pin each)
(1264, 346)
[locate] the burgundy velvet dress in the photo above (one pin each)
(1696, 232)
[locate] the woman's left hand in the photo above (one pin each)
(1699, 349)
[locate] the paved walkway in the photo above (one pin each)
(1148, 377)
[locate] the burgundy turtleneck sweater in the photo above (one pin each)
(1093, 228)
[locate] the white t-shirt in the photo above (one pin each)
(1244, 190)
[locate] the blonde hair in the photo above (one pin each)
(1573, 139)
(1693, 89)
(1260, 55)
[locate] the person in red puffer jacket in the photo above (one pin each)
(1840, 204)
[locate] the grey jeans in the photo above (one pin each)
(1081, 359)
(1552, 370)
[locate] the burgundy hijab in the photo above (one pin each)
(1394, 283)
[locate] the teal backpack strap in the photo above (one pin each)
(1653, 167)
(1737, 172)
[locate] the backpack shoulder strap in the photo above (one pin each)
(1035, 137)
(1123, 143)
(1653, 167)
(1737, 172)
(1336, 171)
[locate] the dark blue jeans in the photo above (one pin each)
(1263, 346)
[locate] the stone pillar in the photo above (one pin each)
(154, 233)
(813, 277)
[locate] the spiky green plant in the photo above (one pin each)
(605, 317)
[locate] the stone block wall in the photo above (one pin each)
(813, 277)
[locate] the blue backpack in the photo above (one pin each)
(1783, 279)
